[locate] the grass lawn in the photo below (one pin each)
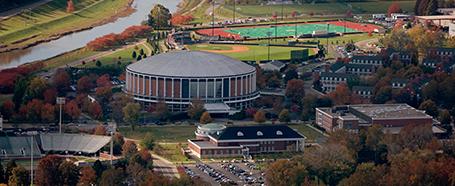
(69, 57)
(317, 8)
(124, 54)
(172, 152)
(167, 133)
(51, 18)
(253, 53)
(308, 132)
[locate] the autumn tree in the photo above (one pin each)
(341, 95)
(295, 90)
(196, 109)
(69, 173)
(9, 169)
(331, 163)
(284, 116)
(161, 111)
(84, 84)
(286, 172)
(259, 117)
(365, 174)
(69, 6)
(48, 172)
(50, 95)
(7, 109)
(112, 176)
(2, 173)
(205, 118)
(118, 143)
(131, 113)
(129, 148)
(87, 177)
(148, 142)
(446, 120)
(159, 17)
(72, 110)
(61, 80)
(19, 177)
(291, 73)
(33, 110)
(95, 110)
(393, 8)
(118, 102)
(48, 113)
(100, 130)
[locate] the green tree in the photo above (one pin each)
(205, 118)
(430, 107)
(19, 177)
(284, 116)
(131, 113)
(159, 17)
(134, 55)
(446, 120)
(148, 142)
(36, 88)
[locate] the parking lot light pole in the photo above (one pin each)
(61, 102)
(268, 46)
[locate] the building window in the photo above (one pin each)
(279, 133)
(259, 133)
(239, 133)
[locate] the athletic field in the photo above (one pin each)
(289, 29)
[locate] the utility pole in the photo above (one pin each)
(268, 46)
(233, 17)
(31, 161)
(60, 101)
(112, 147)
(213, 18)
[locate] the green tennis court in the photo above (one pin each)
(288, 30)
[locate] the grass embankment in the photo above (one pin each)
(369, 7)
(51, 19)
(169, 133)
(172, 152)
(181, 133)
(123, 55)
(253, 53)
(67, 58)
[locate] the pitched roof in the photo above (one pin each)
(339, 75)
(257, 132)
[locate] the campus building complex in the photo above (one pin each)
(235, 141)
(353, 117)
(179, 77)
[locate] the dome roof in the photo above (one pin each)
(190, 64)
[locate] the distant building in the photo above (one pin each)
(376, 60)
(398, 16)
(363, 91)
(331, 80)
(247, 140)
(354, 117)
(360, 69)
(272, 66)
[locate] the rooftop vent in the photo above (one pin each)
(279, 133)
(259, 133)
(239, 133)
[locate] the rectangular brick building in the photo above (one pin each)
(246, 140)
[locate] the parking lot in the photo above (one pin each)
(235, 172)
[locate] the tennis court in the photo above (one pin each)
(287, 30)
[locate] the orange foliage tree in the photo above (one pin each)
(69, 6)
(181, 19)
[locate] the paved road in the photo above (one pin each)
(164, 166)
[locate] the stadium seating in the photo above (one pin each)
(87, 144)
(18, 147)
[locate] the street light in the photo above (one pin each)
(60, 101)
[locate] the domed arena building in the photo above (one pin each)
(225, 85)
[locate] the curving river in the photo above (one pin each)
(80, 39)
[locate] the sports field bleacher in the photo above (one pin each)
(88, 144)
(17, 147)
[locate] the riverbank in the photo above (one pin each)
(94, 13)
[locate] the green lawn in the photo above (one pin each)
(168, 133)
(308, 132)
(172, 152)
(124, 54)
(317, 8)
(67, 58)
(253, 53)
(51, 18)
